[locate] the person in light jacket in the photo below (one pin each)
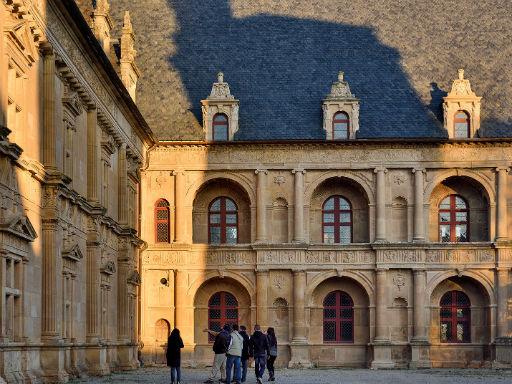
(272, 346)
(173, 355)
(233, 355)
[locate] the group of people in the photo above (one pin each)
(233, 348)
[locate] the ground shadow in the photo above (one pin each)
(281, 68)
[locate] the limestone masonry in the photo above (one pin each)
(337, 170)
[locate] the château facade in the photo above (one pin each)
(72, 142)
(359, 252)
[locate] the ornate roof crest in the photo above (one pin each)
(220, 89)
(340, 89)
(461, 86)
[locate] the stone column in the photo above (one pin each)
(420, 348)
(262, 298)
(261, 206)
(49, 103)
(502, 285)
(180, 223)
(92, 155)
(122, 206)
(299, 345)
(501, 217)
(298, 234)
(380, 233)
(93, 288)
(381, 343)
(419, 219)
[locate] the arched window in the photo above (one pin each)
(461, 125)
(220, 127)
(338, 318)
(162, 221)
(455, 318)
(222, 309)
(340, 126)
(453, 219)
(337, 220)
(223, 221)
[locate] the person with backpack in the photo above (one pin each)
(220, 347)
(272, 344)
(245, 352)
(233, 356)
(173, 355)
(259, 348)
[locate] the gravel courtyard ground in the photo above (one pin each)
(325, 376)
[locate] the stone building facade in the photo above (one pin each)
(359, 252)
(71, 143)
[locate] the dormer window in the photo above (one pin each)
(340, 126)
(461, 124)
(220, 127)
(462, 110)
(341, 112)
(220, 112)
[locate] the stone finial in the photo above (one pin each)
(341, 74)
(103, 6)
(102, 23)
(220, 77)
(127, 22)
(461, 74)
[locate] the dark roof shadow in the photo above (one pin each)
(281, 68)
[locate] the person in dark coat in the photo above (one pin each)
(173, 355)
(272, 345)
(259, 349)
(245, 352)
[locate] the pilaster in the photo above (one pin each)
(420, 347)
(299, 346)
(298, 219)
(123, 186)
(261, 206)
(381, 344)
(380, 233)
(419, 219)
(502, 214)
(92, 155)
(262, 298)
(180, 223)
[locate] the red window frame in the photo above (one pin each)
(337, 213)
(162, 205)
(223, 224)
(466, 120)
(223, 299)
(217, 123)
(340, 118)
(455, 308)
(453, 218)
(339, 319)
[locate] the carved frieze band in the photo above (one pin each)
(365, 257)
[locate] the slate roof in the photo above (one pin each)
(281, 57)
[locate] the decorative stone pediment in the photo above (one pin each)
(108, 143)
(19, 34)
(109, 268)
(220, 101)
(462, 98)
(19, 225)
(72, 103)
(73, 253)
(341, 99)
(134, 278)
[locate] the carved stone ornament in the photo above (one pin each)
(134, 278)
(341, 99)
(340, 89)
(109, 268)
(72, 103)
(399, 281)
(462, 98)
(220, 89)
(20, 226)
(73, 253)
(108, 143)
